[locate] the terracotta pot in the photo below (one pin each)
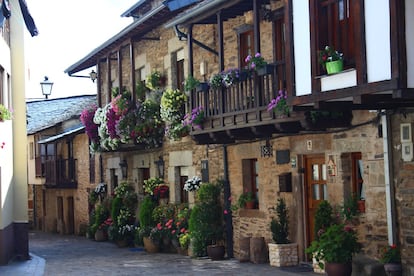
(100, 235)
(121, 243)
(361, 206)
(338, 269)
(393, 269)
(150, 246)
(216, 252)
(249, 205)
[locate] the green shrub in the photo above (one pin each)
(116, 207)
(206, 221)
(280, 225)
(145, 212)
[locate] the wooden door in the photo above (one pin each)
(71, 216)
(316, 189)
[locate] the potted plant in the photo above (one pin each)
(282, 252)
(246, 200)
(216, 81)
(391, 258)
(192, 184)
(195, 118)
(323, 219)
(331, 60)
(5, 114)
(279, 104)
(190, 83)
(335, 247)
(206, 222)
(258, 64)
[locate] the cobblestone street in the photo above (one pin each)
(73, 255)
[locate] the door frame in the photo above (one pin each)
(307, 228)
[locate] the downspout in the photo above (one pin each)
(227, 205)
(388, 177)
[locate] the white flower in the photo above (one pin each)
(192, 184)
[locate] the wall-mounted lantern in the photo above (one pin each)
(160, 166)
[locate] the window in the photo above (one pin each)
(251, 178)
(279, 36)
(177, 70)
(357, 172)
(183, 193)
(337, 23)
(246, 46)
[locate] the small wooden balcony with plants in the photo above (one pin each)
(61, 173)
(238, 108)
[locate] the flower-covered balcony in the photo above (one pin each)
(236, 107)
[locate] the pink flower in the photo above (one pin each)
(225, 212)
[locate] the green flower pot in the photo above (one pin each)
(333, 67)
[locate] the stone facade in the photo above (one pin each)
(183, 158)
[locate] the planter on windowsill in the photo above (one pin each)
(333, 67)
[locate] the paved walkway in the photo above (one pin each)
(54, 254)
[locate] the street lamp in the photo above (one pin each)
(46, 85)
(160, 166)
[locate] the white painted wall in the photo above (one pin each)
(409, 23)
(377, 28)
(301, 37)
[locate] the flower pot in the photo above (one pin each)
(122, 243)
(338, 269)
(393, 269)
(283, 254)
(216, 252)
(249, 205)
(265, 70)
(361, 206)
(150, 246)
(100, 235)
(333, 67)
(202, 87)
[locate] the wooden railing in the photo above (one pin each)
(252, 94)
(61, 173)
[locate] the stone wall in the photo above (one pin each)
(365, 139)
(404, 191)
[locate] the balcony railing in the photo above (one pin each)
(240, 111)
(61, 173)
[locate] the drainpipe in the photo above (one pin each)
(227, 206)
(389, 187)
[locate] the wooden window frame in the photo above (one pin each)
(346, 34)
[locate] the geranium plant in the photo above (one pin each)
(192, 184)
(279, 104)
(329, 54)
(161, 191)
(5, 114)
(337, 245)
(390, 254)
(255, 62)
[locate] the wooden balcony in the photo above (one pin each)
(239, 112)
(61, 173)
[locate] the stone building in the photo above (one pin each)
(345, 134)
(58, 182)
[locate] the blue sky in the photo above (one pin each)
(68, 31)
